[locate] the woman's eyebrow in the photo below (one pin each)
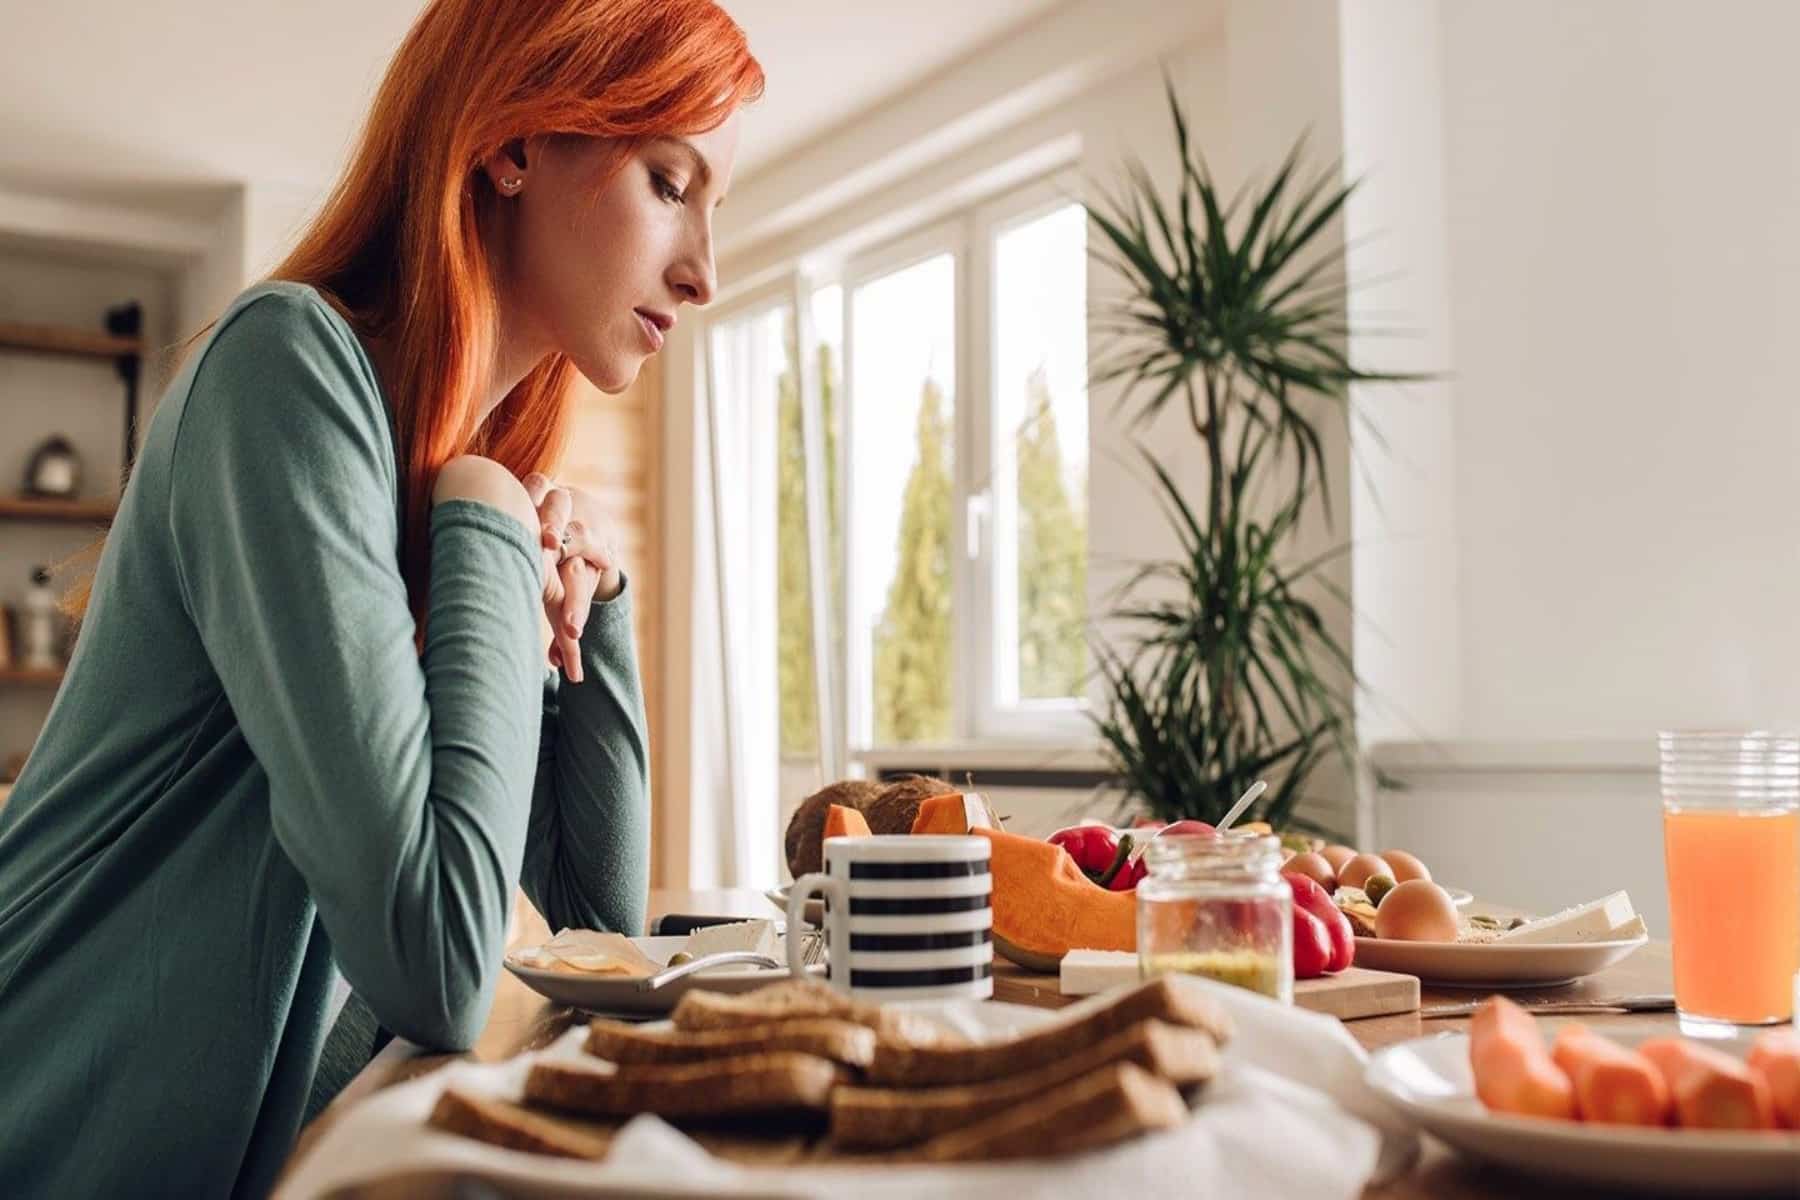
(701, 167)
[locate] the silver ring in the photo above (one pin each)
(568, 539)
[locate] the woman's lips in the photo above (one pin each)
(652, 332)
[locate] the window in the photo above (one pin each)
(928, 403)
(903, 454)
(1039, 392)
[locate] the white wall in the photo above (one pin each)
(1620, 183)
(1594, 202)
(1403, 491)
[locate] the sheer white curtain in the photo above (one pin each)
(733, 839)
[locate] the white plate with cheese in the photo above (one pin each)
(601, 972)
(1545, 952)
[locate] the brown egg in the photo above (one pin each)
(1405, 865)
(1337, 856)
(1416, 911)
(1356, 871)
(1314, 867)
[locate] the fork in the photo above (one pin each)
(650, 983)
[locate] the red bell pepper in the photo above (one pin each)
(1308, 895)
(1129, 874)
(1093, 847)
(1101, 855)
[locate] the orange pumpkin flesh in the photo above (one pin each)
(845, 822)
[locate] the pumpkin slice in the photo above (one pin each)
(1045, 907)
(953, 813)
(845, 822)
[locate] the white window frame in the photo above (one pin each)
(993, 602)
(845, 685)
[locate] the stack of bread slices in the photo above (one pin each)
(796, 1072)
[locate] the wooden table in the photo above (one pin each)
(523, 1020)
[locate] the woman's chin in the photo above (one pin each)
(612, 373)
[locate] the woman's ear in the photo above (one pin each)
(507, 168)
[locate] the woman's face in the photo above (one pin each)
(597, 266)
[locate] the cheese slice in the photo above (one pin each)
(1085, 972)
(1594, 921)
(1629, 931)
(588, 952)
(756, 936)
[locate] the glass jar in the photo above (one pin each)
(1218, 907)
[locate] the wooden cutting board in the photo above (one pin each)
(1356, 992)
(1359, 992)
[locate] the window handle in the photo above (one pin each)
(980, 506)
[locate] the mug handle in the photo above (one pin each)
(835, 917)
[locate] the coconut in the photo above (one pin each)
(895, 809)
(806, 830)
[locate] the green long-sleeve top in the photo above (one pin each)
(251, 779)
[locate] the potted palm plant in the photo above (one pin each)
(1236, 311)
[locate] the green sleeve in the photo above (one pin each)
(399, 784)
(588, 854)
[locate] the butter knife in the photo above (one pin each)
(1654, 1002)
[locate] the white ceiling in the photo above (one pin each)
(160, 103)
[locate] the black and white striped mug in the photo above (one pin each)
(906, 917)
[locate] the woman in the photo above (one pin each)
(308, 727)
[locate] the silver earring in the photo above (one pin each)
(511, 185)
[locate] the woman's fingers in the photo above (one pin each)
(553, 514)
(537, 486)
(578, 582)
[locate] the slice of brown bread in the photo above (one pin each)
(1102, 1107)
(503, 1123)
(1169, 998)
(546, 1131)
(872, 1117)
(804, 999)
(628, 1045)
(782, 1082)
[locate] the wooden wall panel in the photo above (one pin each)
(612, 454)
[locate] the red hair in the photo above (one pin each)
(398, 245)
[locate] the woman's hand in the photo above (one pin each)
(581, 564)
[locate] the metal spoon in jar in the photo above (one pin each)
(1244, 801)
(1236, 810)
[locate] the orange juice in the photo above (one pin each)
(1734, 911)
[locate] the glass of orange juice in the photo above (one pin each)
(1731, 839)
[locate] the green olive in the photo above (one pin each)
(679, 957)
(1377, 886)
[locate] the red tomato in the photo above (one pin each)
(1310, 896)
(1312, 945)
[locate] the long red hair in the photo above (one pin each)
(398, 245)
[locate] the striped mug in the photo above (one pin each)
(906, 917)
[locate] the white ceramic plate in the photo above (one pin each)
(1462, 964)
(1460, 896)
(1429, 1080)
(813, 912)
(613, 994)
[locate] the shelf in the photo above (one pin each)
(51, 339)
(88, 512)
(49, 678)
